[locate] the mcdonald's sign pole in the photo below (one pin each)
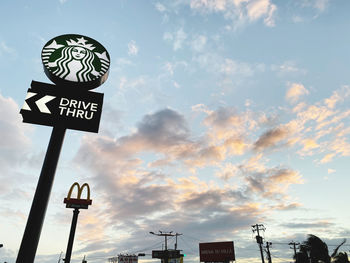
(76, 204)
(76, 64)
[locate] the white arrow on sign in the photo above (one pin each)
(42, 103)
(25, 105)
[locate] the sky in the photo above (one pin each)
(217, 115)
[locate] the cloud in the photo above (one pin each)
(164, 132)
(198, 43)
(160, 7)
(223, 118)
(309, 144)
(239, 10)
(287, 207)
(171, 67)
(177, 38)
(228, 171)
(288, 67)
(162, 175)
(164, 128)
(231, 67)
(337, 97)
(133, 49)
(270, 138)
(230, 74)
(211, 5)
(317, 224)
(295, 91)
(273, 182)
(14, 142)
(5, 49)
(228, 129)
(319, 5)
(261, 8)
(130, 192)
(331, 171)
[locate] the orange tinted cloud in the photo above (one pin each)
(295, 91)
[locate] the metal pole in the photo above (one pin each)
(41, 198)
(261, 253)
(176, 241)
(59, 260)
(71, 235)
(268, 244)
(166, 249)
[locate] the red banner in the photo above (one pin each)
(216, 251)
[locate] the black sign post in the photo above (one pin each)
(76, 204)
(76, 64)
(41, 198)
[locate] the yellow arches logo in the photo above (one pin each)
(80, 190)
(78, 202)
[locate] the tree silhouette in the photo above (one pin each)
(302, 255)
(317, 249)
(314, 250)
(341, 257)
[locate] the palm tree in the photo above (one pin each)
(341, 257)
(317, 250)
(314, 250)
(301, 256)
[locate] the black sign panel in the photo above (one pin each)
(72, 108)
(165, 254)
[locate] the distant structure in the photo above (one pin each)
(124, 258)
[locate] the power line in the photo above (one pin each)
(193, 238)
(194, 251)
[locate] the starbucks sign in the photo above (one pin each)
(76, 64)
(75, 60)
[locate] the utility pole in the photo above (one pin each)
(268, 244)
(59, 259)
(165, 235)
(294, 244)
(259, 239)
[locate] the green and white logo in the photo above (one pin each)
(76, 60)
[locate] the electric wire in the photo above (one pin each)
(185, 235)
(190, 247)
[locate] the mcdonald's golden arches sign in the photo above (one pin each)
(78, 202)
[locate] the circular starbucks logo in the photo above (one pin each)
(75, 60)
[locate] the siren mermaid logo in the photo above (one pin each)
(76, 59)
